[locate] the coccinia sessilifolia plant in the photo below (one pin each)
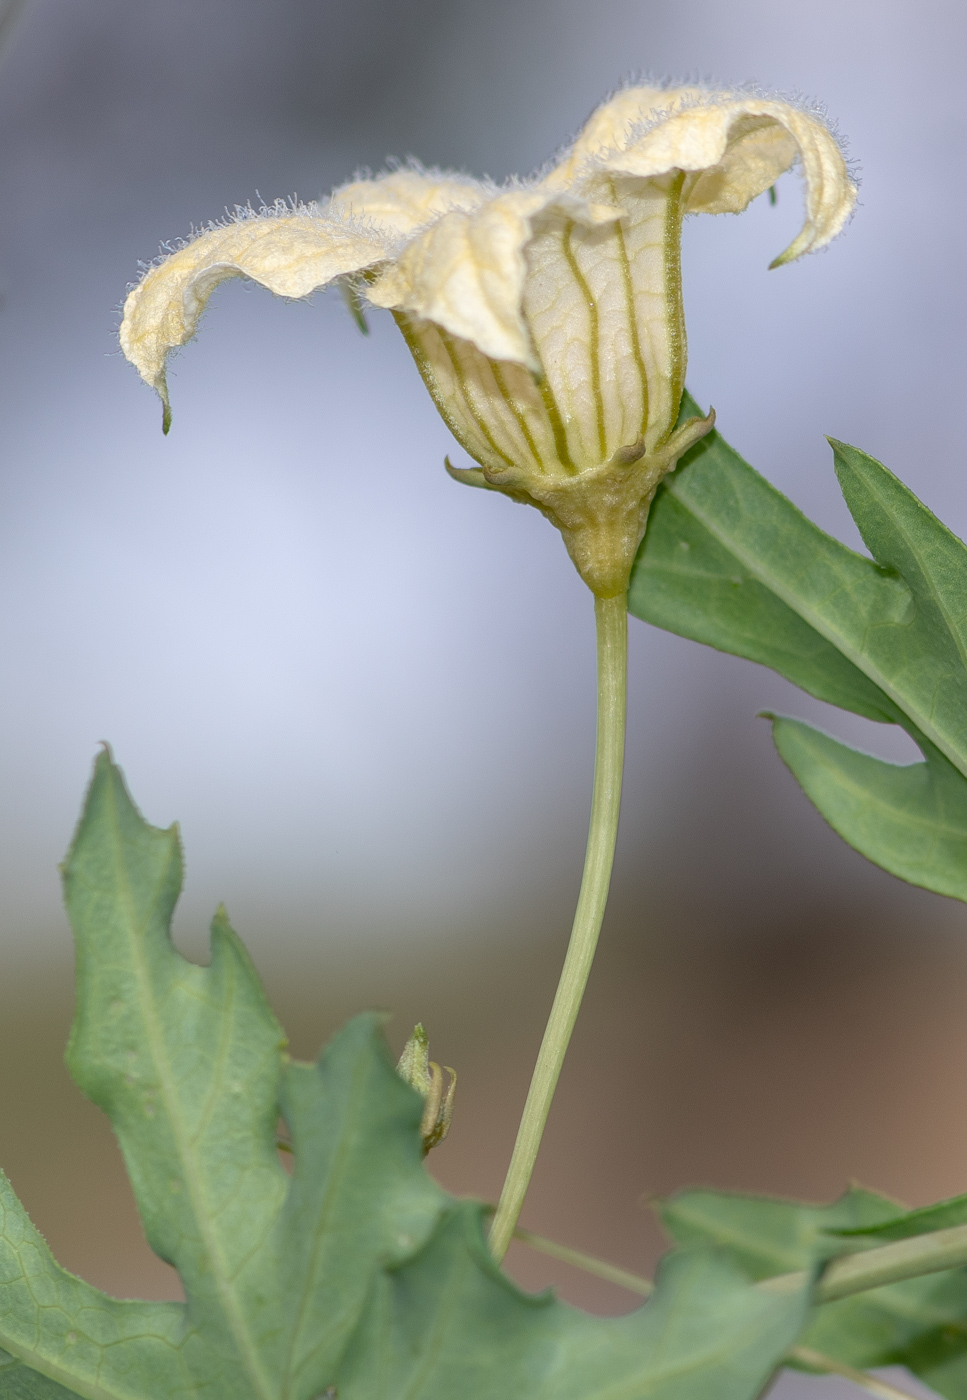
(546, 320)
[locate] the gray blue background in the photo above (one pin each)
(368, 694)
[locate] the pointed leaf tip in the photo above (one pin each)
(911, 819)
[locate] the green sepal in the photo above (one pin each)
(354, 304)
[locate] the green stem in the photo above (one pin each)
(915, 1257)
(611, 618)
(611, 1273)
(887, 1263)
(829, 1366)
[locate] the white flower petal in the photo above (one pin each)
(614, 126)
(547, 316)
(406, 200)
(604, 310)
(494, 408)
(292, 254)
(735, 147)
(466, 271)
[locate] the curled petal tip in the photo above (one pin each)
(811, 239)
(805, 242)
(732, 146)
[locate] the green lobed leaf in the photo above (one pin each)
(61, 1331)
(19, 1382)
(189, 1063)
(447, 1323)
(359, 1197)
(356, 1271)
(940, 1216)
(727, 560)
(920, 1323)
(186, 1061)
(927, 659)
(768, 1235)
(909, 818)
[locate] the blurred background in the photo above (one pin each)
(368, 695)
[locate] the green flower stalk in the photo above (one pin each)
(546, 319)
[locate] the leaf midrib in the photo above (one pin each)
(293, 1370)
(877, 801)
(37, 1361)
(438, 1332)
(901, 529)
(815, 620)
(155, 1041)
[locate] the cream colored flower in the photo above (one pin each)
(546, 315)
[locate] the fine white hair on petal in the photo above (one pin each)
(466, 271)
(731, 144)
(290, 251)
(445, 248)
(406, 199)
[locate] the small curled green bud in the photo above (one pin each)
(426, 1077)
